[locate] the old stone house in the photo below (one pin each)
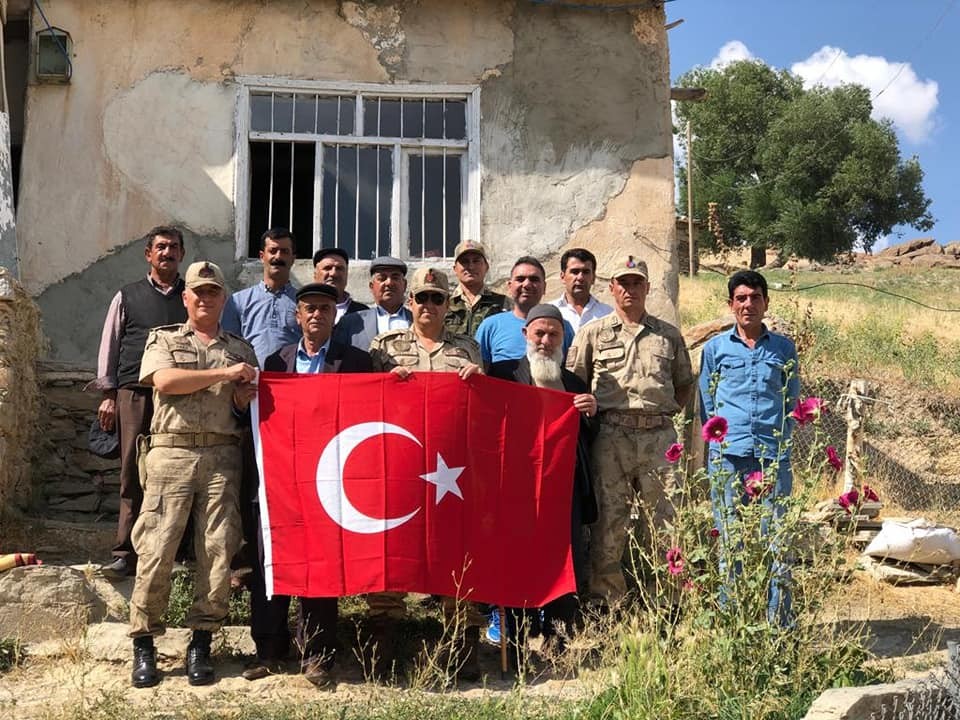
(385, 127)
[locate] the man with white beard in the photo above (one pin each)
(542, 366)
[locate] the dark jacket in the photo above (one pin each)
(360, 328)
(340, 359)
(519, 371)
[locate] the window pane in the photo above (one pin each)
(389, 118)
(272, 208)
(345, 223)
(303, 116)
(282, 113)
(375, 176)
(327, 115)
(371, 116)
(347, 196)
(260, 112)
(434, 119)
(434, 201)
(453, 204)
(455, 119)
(412, 118)
(346, 115)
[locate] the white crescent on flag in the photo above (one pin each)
(333, 496)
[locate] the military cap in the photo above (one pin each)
(429, 279)
(630, 265)
(204, 273)
(470, 246)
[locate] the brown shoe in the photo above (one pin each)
(318, 676)
(259, 668)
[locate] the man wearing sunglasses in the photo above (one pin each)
(426, 346)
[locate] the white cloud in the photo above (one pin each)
(909, 102)
(731, 52)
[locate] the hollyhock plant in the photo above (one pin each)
(674, 452)
(755, 486)
(808, 410)
(835, 462)
(870, 494)
(849, 499)
(675, 560)
(715, 429)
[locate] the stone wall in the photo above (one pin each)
(20, 346)
(70, 482)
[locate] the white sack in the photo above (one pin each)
(917, 541)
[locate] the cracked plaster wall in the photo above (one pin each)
(575, 131)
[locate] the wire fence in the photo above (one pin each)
(906, 448)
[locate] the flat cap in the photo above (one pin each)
(317, 289)
(385, 262)
(544, 311)
(630, 265)
(204, 273)
(323, 252)
(103, 443)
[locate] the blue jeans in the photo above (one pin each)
(727, 473)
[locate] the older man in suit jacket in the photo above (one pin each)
(388, 285)
(316, 352)
(543, 367)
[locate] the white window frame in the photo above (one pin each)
(470, 169)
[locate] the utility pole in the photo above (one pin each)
(691, 249)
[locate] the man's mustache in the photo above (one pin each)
(278, 263)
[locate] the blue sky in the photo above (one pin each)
(910, 48)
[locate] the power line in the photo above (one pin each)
(868, 287)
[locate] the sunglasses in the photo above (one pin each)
(434, 298)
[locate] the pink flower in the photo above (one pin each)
(675, 560)
(714, 533)
(849, 499)
(835, 462)
(808, 410)
(674, 452)
(689, 586)
(755, 486)
(870, 494)
(715, 429)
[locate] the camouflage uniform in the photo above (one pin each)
(192, 468)
(464, 319)
(633, 371)
(400, 347)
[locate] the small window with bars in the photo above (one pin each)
(373, 172)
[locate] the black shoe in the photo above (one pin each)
(262, 667)
(199, 667)
(120, 568)
(144, 673)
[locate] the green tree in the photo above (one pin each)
(805, 171)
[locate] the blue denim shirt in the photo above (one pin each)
(313, 365)
(755, 390)
(264, 319)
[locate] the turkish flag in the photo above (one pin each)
(433, 484)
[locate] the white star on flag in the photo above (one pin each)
(445, 478)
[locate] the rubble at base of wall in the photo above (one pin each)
(70, 482)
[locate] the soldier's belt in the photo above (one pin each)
(637, 421)
(192, 440)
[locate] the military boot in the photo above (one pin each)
(144, 673)
(199, 667)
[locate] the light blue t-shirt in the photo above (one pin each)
(501, 338)
(265, 319)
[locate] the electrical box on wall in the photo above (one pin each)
(54, 47)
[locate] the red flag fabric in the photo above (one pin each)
(434, 484)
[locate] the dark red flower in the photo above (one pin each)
(835, 462)
(674, 452)
(755, 486)
(870, 494)
(714, 533)
(715, 429)
(849, 499)
(808, 410)
(675, 560)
